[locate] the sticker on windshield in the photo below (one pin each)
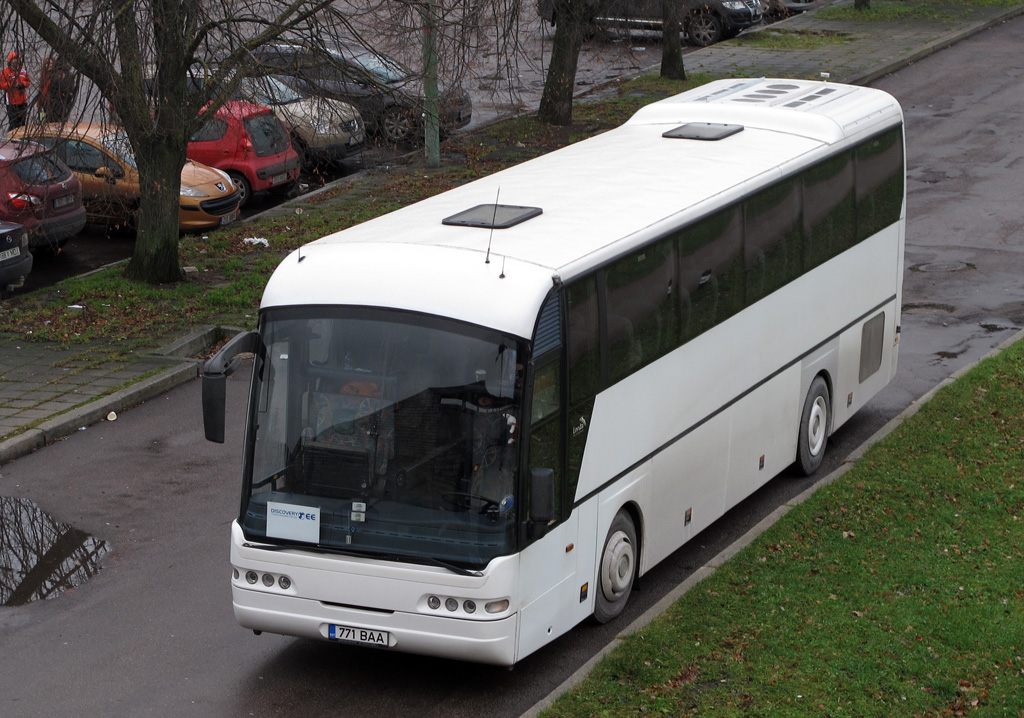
(291, 521)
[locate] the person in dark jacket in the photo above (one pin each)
(58, 85)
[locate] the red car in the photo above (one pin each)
(38, 191)
(249, 143)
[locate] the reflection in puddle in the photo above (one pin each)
(39, 557)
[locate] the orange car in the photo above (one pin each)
(102, 159)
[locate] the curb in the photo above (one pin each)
(183, 370)
(709, 568)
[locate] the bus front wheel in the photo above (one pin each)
(815, 422)
(617, 569)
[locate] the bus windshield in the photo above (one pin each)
(386, 434)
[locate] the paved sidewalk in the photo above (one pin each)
(48, 391)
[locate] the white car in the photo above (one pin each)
(322, 129)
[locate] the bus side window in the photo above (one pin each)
(710, 272)
(879, 163)
(829, 226)
(642, 323)
(772, 238)
(546, 424)
(584, 367)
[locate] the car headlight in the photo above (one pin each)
(733, 5)
(191, 192)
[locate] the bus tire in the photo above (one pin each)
(617, 569)
(815, 423)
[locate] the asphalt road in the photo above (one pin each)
(153, 634)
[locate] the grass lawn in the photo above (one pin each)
(893, 591)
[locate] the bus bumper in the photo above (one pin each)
(491, 642)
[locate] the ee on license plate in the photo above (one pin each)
(229, 218)
(10, 253)
(358, 635)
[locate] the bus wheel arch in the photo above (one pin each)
(618, 566)
(815, 425)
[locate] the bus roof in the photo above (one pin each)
(598, 199)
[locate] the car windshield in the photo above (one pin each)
(269, 91)
(117, 142)
(383, 69)
(397, 432)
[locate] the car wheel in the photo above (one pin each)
(815, 422)
(617, 569)
(703, 29)
(243, 187)
(397, 125)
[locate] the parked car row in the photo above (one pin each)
(295, 107)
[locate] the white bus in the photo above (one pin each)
(474, 421)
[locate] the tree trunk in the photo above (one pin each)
(556, 101)
(671, 45)
(155, 258)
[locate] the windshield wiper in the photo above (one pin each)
(427, 560)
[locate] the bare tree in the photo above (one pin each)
(671, 45)
(137, 55)
(572, 20)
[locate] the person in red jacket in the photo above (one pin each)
(14, 83)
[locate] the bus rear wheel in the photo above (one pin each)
(815, 422)
(617, 569)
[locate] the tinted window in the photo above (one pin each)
(772, 238)
(584, 367)
(212, 131)
(710, 272)
(267, 135)
(546, 424)
(829, 222)
(40, 169)
(642, 324)
(880, 173)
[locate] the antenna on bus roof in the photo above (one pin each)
(494, 218)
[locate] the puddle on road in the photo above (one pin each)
(41, 558)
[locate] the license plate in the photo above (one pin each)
(278, 179)
(10, 253)
(358, 635)
(229, 218)
(63, 201)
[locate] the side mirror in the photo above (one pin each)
(215, 373)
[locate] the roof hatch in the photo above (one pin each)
(703, 131)
(492, 216)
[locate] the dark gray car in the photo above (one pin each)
(387, 94)
(705, 22)
(15, 258)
